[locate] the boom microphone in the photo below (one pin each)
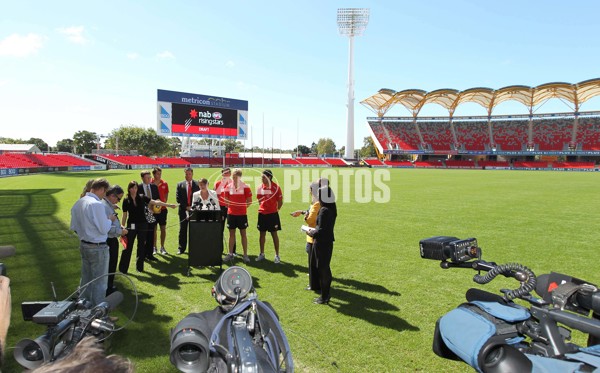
(109, 303)
(586, 299)
(483, 296)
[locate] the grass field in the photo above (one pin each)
(385, 298)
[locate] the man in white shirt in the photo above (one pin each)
(91, 223)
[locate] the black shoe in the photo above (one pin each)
(179, 252)
(320, 300)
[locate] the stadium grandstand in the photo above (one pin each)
(567, 140)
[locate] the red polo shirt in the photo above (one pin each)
(237, 198)
(268, 196)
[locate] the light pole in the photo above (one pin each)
(351, 22)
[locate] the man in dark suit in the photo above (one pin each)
(150, 190)
(185, 189)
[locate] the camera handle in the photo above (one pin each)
(517, 271)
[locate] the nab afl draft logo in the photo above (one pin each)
(217, 115)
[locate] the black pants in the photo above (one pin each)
(149, 252)
(323, 252)
(313, 274)
(140, 233)
(183, 230)
(113, 258)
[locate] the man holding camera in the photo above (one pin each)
(91, 223)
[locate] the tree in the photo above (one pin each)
(174, 146)
(85, 141)
(231, 145)
(368, 149)
(145, 140)
(64, 145)
(302, 149)
(39, 143)
(325, 146)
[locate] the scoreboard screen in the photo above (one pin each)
(193, 115)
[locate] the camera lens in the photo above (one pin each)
(189, 345)
(189, 353)
(33, 352)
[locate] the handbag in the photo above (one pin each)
(149, 215)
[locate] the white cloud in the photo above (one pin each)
(230, 64)
(74, 34)
(165, 55)
(20, 46)
(132, 55)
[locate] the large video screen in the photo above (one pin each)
(193, 115)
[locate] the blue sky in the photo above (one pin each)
(67, 66)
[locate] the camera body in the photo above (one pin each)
(242, 334)
(68, 322)
(447, 247)
(493, 334)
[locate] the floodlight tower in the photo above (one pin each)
(351, 22)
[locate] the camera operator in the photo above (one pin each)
(91, 223)
(5, 303)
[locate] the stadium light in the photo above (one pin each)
(351, 22)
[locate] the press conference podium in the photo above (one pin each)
(205, 239)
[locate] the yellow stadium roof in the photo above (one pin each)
(414, 99)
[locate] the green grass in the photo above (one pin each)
(386, 299)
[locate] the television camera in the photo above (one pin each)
(242, 334)
(68, 323)
(493, 334)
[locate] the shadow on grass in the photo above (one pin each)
(371, 309)
(46, 249)
(47, 252)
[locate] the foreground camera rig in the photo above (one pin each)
(493, 334)
(68, 323)
(242, 334)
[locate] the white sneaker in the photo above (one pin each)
(246, 259)
(277, 260)
(228, 257)
(154, 251)
(260, 257)
(163, 251)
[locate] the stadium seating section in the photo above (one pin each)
(552, 134)
(472, 135)
(510, 134)
(402, 135)
(21, 160)
(548, 134)
(588, 133)
(437, 134)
